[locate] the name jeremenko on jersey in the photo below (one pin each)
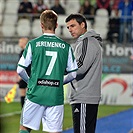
(50, 44)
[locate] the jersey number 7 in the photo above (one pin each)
(52, 61)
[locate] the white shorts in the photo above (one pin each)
(52, 117)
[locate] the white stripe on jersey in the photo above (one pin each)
(70, 59)
(26, 61)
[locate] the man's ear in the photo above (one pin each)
(83, 25)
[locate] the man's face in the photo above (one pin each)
(75, 28)
(22, 42)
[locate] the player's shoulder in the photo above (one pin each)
(36, 39)
(33, 41)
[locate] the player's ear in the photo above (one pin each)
(56, 25)
(42, 25)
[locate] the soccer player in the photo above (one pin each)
(50, 57)
(86, 88)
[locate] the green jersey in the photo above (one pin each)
(50, 57)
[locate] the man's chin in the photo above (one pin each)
(74, 36)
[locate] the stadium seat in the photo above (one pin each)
(10, 19)
(58, 31)
(1, 18)
(61, 25)
(62, 30)
(2, 6)
(104, 22)
(23, 27)
(101, 12)
(101, 27)
(72, 6)
(11, 6)
(102, 31)
(36, 28)
(61, 20)
(8, 31)
(89, 26)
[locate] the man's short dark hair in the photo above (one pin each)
(78, 17)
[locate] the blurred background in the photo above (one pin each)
(112, 19)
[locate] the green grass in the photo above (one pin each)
(10, 124)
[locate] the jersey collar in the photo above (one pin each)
(51, 34)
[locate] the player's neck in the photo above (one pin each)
(49, 31)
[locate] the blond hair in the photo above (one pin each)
(48, 19)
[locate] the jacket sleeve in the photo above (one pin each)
(85, 56)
